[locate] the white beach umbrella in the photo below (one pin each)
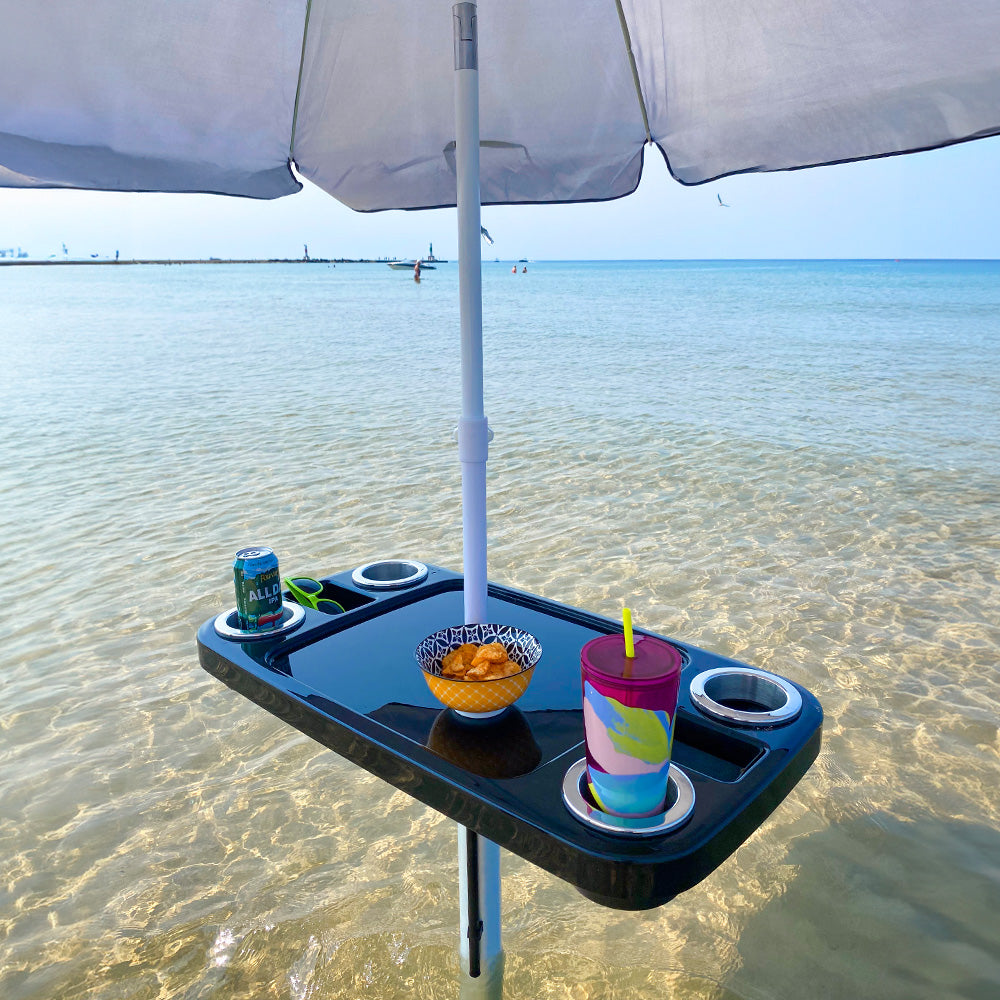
(392, 104)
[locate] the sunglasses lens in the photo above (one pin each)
(330, 607)
(308, 586)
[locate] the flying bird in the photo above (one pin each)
(485, 235)
(722, 204)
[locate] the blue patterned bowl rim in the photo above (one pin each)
(522, 647)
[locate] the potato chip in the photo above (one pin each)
(493, 652)
(470, 662)
(458, 660)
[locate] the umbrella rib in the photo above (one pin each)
(298, 82)
(635, 71)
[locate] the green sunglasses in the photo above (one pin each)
(306, 591)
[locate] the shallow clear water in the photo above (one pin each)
(794, 464)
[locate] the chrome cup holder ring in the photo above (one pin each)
(746, 696)
(227, 624)
(389, 574)
(680, 796)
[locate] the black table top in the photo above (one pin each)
(351, 682)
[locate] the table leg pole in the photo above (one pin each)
(480, 947)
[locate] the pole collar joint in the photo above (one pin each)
(474, 436)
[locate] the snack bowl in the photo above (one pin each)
(478, 699)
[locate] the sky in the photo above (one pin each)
(940, 203)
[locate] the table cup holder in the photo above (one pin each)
(227, 624)
(679, 806)
(745, 696)
(389, 574)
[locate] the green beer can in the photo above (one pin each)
(258, 588)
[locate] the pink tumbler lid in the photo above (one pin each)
(654, 659)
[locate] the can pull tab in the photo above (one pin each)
(466, 37)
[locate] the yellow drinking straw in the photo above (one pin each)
(629, 641)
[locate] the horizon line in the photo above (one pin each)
(78, 261)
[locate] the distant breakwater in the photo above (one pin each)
(207, 260)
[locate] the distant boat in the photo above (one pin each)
(426, 263)
(409, 265)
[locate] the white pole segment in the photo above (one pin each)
(473, 431)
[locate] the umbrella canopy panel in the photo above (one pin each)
(733, 86)
(220, 96)
(559, 117)
(126, 95)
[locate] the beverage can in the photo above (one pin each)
(258, 588)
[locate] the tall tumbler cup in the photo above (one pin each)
(629, 706)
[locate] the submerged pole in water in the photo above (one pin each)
(480, 947)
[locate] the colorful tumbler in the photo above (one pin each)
(629, 705)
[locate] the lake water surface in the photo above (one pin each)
(796, 464)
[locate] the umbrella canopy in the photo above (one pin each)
(386, 104)
(220, 95)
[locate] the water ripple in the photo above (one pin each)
(818, 498)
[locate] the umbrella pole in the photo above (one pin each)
(478, 859)
(473, 432)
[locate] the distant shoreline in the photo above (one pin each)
(16, 262)
(23, 262)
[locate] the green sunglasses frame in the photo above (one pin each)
(312, 600)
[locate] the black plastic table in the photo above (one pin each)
(350, 682)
